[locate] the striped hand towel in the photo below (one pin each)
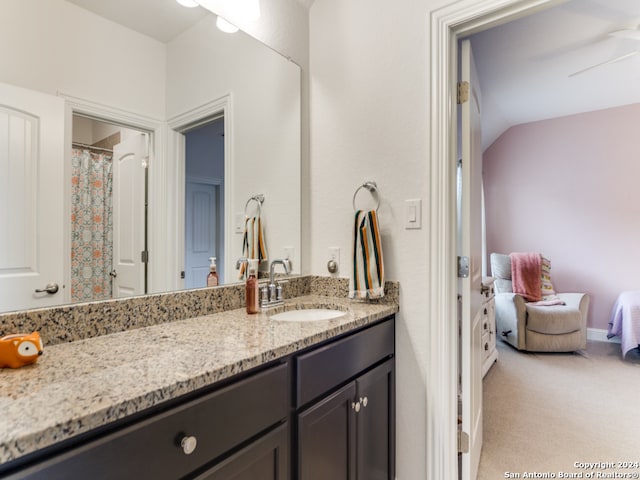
(367, 279)
(253, 243)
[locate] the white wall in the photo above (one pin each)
(369, 104)
(204, 64)
(82, 130)
(112, 65)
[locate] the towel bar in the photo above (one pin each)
(373, 189)
(259, 199)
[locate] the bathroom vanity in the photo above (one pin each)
(223, 396)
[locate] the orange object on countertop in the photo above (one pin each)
(20, 349)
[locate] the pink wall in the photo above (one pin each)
(570, 187)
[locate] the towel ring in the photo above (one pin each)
(259, 199)
(373, 189)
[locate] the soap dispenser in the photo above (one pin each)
(212, 278)
(251, 293)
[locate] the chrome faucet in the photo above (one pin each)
(272, 295)
(245, 261)
(240, 261)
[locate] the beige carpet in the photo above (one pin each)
(544, 412)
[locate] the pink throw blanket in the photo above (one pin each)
(526, 275)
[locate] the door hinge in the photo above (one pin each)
(463, 442)
(144, 256)
(463, 92)
(463, 267)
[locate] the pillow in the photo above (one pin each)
(547, 291)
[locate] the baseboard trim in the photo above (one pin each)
(600, 335)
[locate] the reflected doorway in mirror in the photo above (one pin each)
(204, 201)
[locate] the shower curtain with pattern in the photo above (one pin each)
(91, 225)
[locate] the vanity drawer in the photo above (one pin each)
(327, 367)
(152, 448)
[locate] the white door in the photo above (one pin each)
(470, 246)
(31, 198)
(201, 235)
(129, 168)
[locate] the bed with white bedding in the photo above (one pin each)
(625, 320)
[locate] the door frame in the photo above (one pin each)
(177, 125)
(447, 25)
(157, 203)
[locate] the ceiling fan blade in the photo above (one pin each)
(608, 62)
(629, 33)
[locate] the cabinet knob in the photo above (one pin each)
(356, 406)
(364, 401)
(188, 444)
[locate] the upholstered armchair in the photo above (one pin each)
(536, 328)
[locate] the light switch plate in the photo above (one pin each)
(413, 214)
(239, 223)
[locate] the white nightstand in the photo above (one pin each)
(489, 352)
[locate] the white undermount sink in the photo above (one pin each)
(307, 315)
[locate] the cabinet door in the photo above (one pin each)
(375, 423)
(326, 438)
(265, 459)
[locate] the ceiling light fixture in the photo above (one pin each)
(237, 11)
(188, 3)
(248, 9)
(225, 26)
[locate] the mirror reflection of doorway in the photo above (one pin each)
(204, 201)
(107, 210)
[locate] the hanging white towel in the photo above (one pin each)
(253, 242)
(367, 278)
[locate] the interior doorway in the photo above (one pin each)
(448, 25)
(108, 210)
(204, 201)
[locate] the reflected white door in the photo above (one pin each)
(129, 168)
(31, 198)
(202, 217)
(470, 245)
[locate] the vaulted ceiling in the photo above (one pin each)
(525, 65)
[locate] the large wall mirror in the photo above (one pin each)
(134, 139)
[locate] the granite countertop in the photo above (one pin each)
(78, 386)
